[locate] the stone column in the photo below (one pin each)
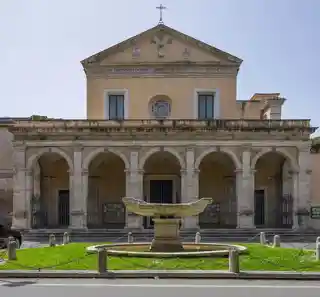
(35, 197)
(134, 188)
(304, 183)
(190, 188)
(78, 197)
(245, 192)
(21, 185)
(295, 197)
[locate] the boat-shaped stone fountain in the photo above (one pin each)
(167, 219)
(166, 241)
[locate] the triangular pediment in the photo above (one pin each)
(161, 44)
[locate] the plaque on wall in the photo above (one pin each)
(315, 212)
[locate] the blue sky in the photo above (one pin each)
(42, 43)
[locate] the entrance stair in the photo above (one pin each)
(208, 235)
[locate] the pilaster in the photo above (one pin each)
(78, 191)
(190, 187)
(245, 191)
(304, 184)
(134, 188)
(295, 194)
(22, 185)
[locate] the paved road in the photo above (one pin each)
(157, 288)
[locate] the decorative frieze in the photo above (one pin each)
(163, 70)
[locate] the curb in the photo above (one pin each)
(174, 274)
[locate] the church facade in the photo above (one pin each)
(163, 125)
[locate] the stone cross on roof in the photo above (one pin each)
(161, 8)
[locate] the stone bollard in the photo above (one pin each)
(66, 238)
(102, 260)
(318, 251)
(197, 238)
(130, 237)
(234, 266)
(263, 239)
(276, 241)
(12, 250)
(52, 240)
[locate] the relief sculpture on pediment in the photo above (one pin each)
(161, 40)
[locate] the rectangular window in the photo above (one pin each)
(116, 107)
(205, 106)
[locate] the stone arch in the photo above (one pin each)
(230, 153)
(94, 153)
(35, 157)
(293, 163)
(156, 150)
(50, 169)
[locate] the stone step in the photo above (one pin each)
(146, 235)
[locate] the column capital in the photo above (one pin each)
(85, 172)
(77, 148)
(19, 146)
(246, 147)
(253, 170)
(293, 172)
(193, 171)
(26, 171)
(135, 148)
(133, 171)
(70, 172)
(190, 148)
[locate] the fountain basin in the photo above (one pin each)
(190, 250)
(178, 210)
(167, 219)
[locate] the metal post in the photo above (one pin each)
(12, 250)
(197, 238)
(130, 237)
(52, 240)
(102, 260)
(66, 238)
(276, 241)
(234, 266)
(318, 251)
(263, 238)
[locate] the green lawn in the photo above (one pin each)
(73, 256)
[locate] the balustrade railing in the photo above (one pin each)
(178, 123)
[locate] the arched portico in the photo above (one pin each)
(106, 188)
(273, 195)
(50, 199)
(217, 180)
(161, 180)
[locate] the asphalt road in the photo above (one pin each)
(157, 288)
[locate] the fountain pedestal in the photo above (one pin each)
(166, 236)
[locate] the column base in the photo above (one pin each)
(191, 223)
(78, 220)
(20, 224)
(245, 222)
(77, 228)
(295, 225)
(133, 222)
